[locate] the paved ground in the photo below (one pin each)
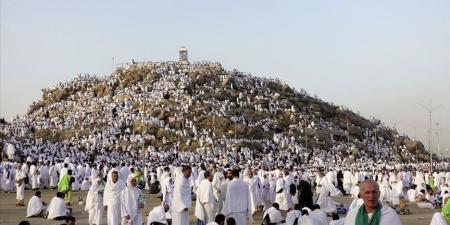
(10, 214)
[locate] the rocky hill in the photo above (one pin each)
(174, 105)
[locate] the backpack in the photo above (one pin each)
(292, 189)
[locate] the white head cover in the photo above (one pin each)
(129, 178)
(67, 160)
(95, 184)
(92, 197)
(34, 206)
(112, 190)
(128, 199)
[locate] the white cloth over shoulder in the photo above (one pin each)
(181, 194)
(35, 206)
(438, 219)
(56, 208)
(274, 215)
(158, 214)
(111, 199)
(113, 190)
(238, 198)
(319, 217)
(337, 222)
(181, 200)
(388, 216)
(94, 203)
(206, 202)
(129, 203)
(292, 215)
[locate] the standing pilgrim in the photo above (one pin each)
(131, 202)
(53, 175)
(182, 197)
(44, 175)
(20, 186)
(111, 200)
(10, 151)
(94, 203)
(397, 188)
(254, 186)
(167, 189)
(218, 178)
(33, 174)
(65, 186)
(266, 192)
(282, 194)
(327, 189)
(347, 181)
(238, 201)
(223, 189)
(205, 205)
(8, 178)
(372, 211)
(289, 182)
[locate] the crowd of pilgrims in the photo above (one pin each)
(102, 124)
(305, 194)
(285, 175)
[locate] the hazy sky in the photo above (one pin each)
(379, 58)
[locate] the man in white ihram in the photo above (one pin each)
(238, 202)
(326, 189)
(57, 207)
(205, 205)
(111, 200)
(35, 206)
(372, 212)
(274, 214)
(158, 215)
(182, 197)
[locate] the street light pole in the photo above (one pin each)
(437, 136)
(430, 111)
(306, 137)
(415, 135)
(348, 133)
(113, 64)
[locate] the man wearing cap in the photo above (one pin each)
(372, 212)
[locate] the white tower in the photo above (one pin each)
(183, 54)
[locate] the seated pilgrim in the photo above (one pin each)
(85, 185)
(36, 206)
(57, 209)
(293, 215)
(158, 215)
(422, 201)
(273, 214)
